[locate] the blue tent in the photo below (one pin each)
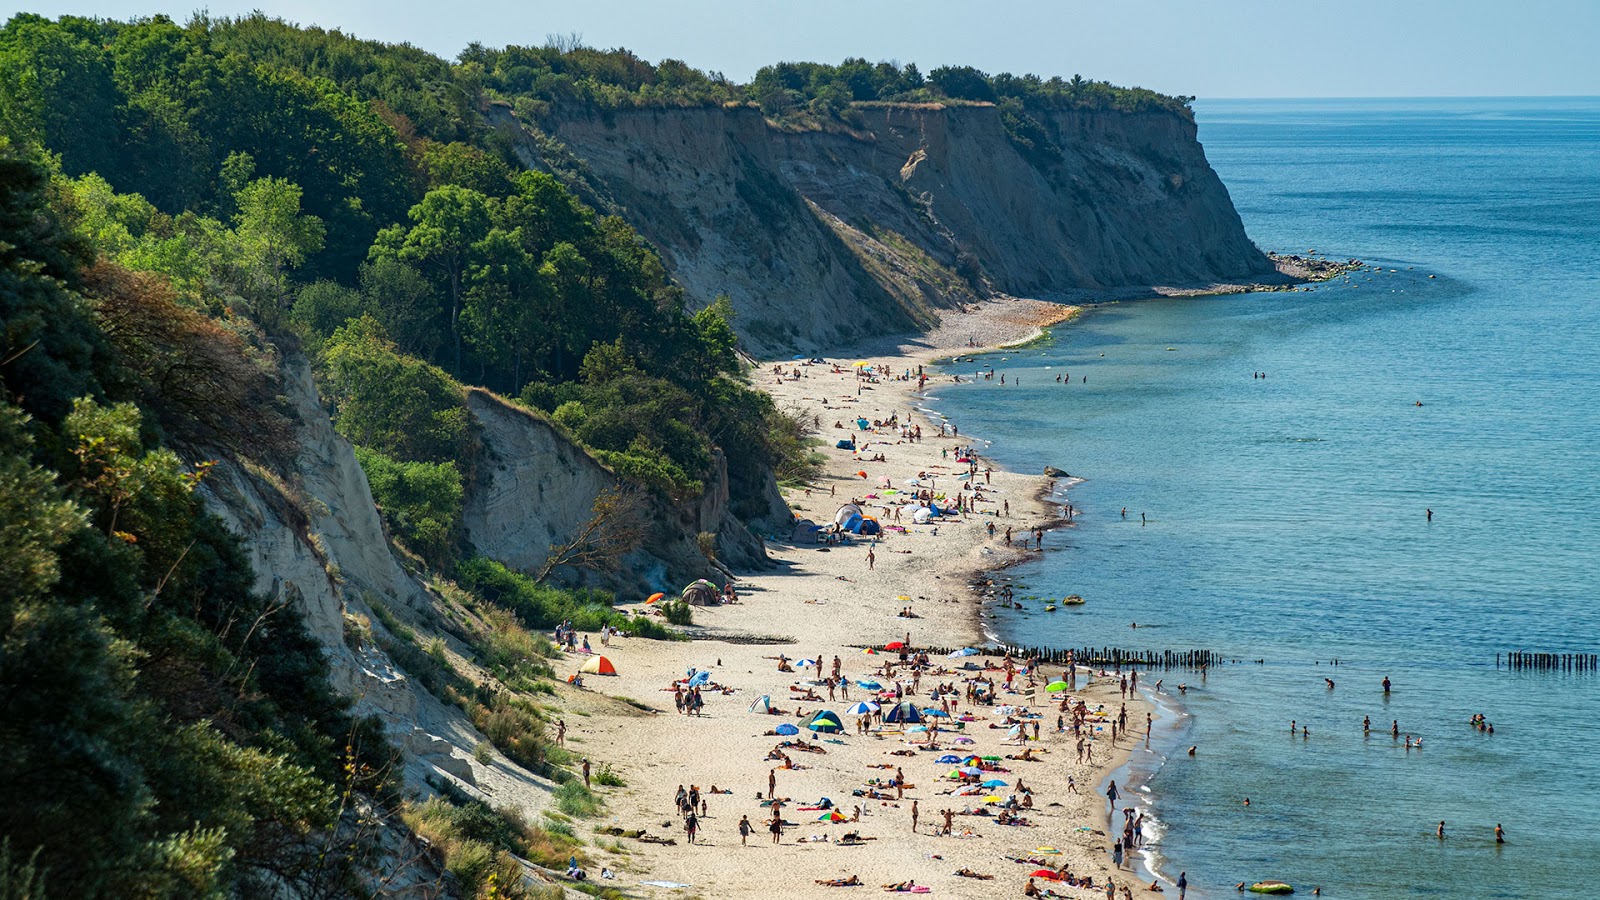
(862, 525)
(904, 712)
(845, 444)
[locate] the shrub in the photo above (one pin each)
(421, 502)
(574, 799)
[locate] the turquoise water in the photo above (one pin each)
(1287, 516)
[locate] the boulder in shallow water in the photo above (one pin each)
(1053, 472)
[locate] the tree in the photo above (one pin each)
(448, 222)
(273, 235)
(615, 528)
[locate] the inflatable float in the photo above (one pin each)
(1271, 887)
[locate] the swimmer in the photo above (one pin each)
(1191, 751)
(1440, 830)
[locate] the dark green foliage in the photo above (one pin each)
(420, 501)
(164, 730)
(542, 607)
(50, 351)
(400, 406)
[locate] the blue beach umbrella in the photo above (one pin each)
(786, 728)
(699, 678)
(948, 758)
(936, 713)
(965, 651)
(870, 685)
(862, 708)
(994, 782)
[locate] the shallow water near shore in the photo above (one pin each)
(1287, 515)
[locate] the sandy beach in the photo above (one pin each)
(826, 602)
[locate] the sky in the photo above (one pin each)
(1208, 48)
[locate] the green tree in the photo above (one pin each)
(402, 407)
(273, 236)
(446, 225)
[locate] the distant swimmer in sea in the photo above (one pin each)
(1191, 751)
(1124, 512)
(1330, 683)
(1142, 520)
(1499, 834)
(1430, 515)
(1247, 801)
(1386, 684)
(1419, 402)
(1440, 831)
(1366, 724)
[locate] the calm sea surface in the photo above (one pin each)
(1287, 516)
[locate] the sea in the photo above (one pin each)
(1283, 521)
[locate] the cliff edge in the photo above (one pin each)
(824, 237)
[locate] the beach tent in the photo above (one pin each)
(846, 513)
(863, 525)
(700, 593)
(846, 444)
(598, 665)
(922, 516)
(761, 704)
(825, 722)
(699, 678)
(904, 712)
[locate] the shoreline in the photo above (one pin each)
(821, 601)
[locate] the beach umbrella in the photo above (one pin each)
(948, 758)
(1051, 874)
(995, 782)
(971, 770)
(964, 651)
(786, 728)
(862, 708)
(992, 799)
(761, 704)
(805, 663)
(1056, 686)
(903, 598)
(654, 597)
(832, 815)
(869, 685)
(936, 713)
(964, 740)
(862, 474)
(895, 645)
(870, 652)
(861, 363)
(917, 728)
(598, 665)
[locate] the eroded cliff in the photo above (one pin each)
(823, 237)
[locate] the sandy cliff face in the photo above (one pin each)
(823, 237)
(534, 488)
(315, 539)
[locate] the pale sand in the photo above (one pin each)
(822, 604)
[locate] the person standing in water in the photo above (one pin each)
(1112, 795)
(1430, 515)
(1499, 834)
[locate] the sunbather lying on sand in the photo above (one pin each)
(852, 881)
(968, 873)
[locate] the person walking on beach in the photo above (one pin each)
(872, 559)
(744, 831)
(586, 771)
(1112, 794)
(776, 827)
(913, 816)
(1183, 885)
(691, 824)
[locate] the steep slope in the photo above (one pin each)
(820, 237)
(315, 539)
(534, 488)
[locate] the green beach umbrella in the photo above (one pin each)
(1056, 686)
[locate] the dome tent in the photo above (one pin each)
(700, 593)
(598, 665)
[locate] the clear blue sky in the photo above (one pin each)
(1211, 48)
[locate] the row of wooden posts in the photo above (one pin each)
(1115, 657)
(1518, 660)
